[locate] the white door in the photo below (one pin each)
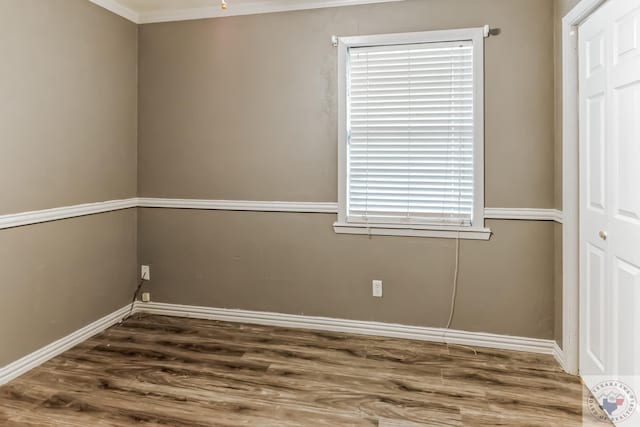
(610, 193)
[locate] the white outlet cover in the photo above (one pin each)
(377, 288)
(145, 272)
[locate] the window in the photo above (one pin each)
(411, 134)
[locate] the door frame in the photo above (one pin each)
(570, 353)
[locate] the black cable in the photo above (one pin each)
(135, 297)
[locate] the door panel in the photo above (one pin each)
(594, 203)
(595, 54)
(627, 152)
(595, 153)
(595, 338)
(610, 194)
(626, 34)
(624, 222)
(626, 283)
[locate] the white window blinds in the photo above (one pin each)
(410, 133)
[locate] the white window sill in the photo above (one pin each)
(447, 232)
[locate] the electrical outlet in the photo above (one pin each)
(145, 272)
(146, 297)
(377, 288)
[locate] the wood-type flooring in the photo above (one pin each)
(168, 371)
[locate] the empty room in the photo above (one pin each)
(391, 213)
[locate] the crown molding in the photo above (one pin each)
(244, 7)
(119, 9)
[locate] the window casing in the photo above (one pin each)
(411, 134)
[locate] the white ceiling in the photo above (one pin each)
(147, 11)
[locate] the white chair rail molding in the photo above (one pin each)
(73, 211)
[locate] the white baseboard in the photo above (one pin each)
(38, 357)
(477, 339)
(558, 354)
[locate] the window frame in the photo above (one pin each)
(476, 230)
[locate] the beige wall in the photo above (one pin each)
(58, 277)
(68, 102)
(245, 108)
(295, 263)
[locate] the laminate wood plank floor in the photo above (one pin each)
(167, 371)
